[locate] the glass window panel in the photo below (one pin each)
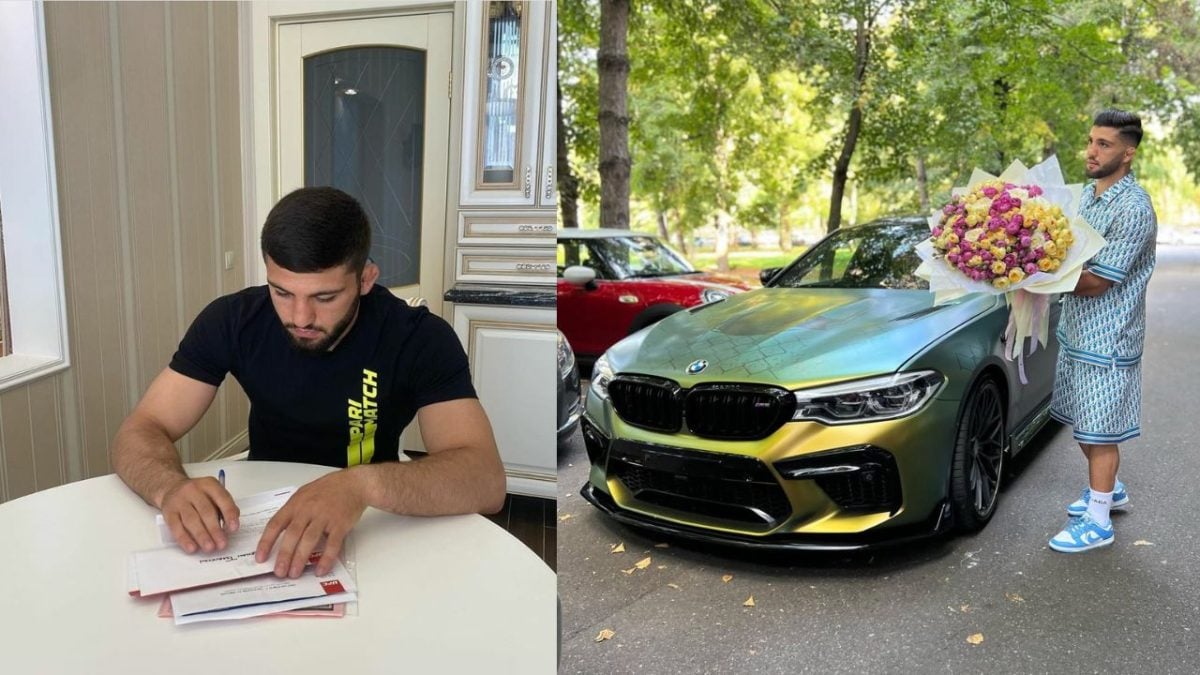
(364, 127)
(5, 345)
(502, 94)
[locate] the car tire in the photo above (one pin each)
(651, 316)
(978, 462)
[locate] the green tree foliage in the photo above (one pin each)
(742, 110)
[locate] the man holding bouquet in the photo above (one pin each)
(1097, 384)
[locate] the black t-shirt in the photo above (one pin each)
(338, 408)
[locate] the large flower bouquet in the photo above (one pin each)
(1019, 234)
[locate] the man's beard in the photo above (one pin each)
(331, 336)
(1103, 170)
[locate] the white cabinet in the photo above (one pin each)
(512, 354)
(508, 87)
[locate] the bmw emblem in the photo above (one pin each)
(695, 367)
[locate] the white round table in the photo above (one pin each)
(453, 594)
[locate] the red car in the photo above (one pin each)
(615, 282)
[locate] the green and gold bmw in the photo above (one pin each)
(836, 408)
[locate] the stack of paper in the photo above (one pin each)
(229, 584)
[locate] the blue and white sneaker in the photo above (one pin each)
(1120, 500)
(1082, 534)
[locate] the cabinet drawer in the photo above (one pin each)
(502, 266)
(505, 228)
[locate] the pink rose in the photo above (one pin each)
(948, 209)
(952, 259)
(1026, 241)
(1034, 191)
(1030, 268)
(937, 231)
(1013, 228)
(989, 192)
(1039, 253)
(1018, 220)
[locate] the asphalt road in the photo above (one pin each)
(1133, 607)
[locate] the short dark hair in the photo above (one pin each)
(317, 228)
(1127, 124)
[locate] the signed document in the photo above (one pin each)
(170, 568)
(263, 595)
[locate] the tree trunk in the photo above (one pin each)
(662, 226)
(681, 240)
(568, 184)
(785, 227)
(722, 242)
(841, 170)
(923, 184)
(612, 60)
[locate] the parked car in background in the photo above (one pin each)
(615, 282)
(570, 405)
(837, 408)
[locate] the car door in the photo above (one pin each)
(591, 318)
(1039, 366)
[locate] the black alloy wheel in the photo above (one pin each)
(978, 457)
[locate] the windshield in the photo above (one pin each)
(870, 256)
(638, 256)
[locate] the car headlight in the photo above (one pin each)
(712, 295)
(602, 374)
(870, 400)
(566, 357)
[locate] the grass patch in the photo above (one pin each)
(745, 260)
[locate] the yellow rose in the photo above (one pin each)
(1050, 248)
(997, 252)
(976, 261)
(998, 267)
(1015, 275)
(1044, 264)
(954, 250)
(952, 238)
(1000, 283)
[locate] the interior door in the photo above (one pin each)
(364, 106)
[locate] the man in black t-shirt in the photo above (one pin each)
(335, 368)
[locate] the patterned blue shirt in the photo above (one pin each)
(1110, 328)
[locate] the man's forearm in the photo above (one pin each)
(443, 483)
(146, 459)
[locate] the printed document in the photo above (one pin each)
(170, 568)
(263, 595)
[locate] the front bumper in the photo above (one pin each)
(885, 484)
(938, 523)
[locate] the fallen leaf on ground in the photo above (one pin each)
(661, 567)
(605, 634)
(619, 548)
(564, 517)
(631, 570)
(1143, 542)
(662, 546)
(975, 639)
(643, 563)
(727, 578)
(964, 609)
(749, 602)
(1014, 597)
(675, 586)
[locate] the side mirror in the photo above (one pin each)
(767, 274)
(578, 275)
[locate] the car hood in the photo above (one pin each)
(795, 337)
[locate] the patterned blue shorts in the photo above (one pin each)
(1103, 404)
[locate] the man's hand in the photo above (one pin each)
(329, 506)
(193, 509)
